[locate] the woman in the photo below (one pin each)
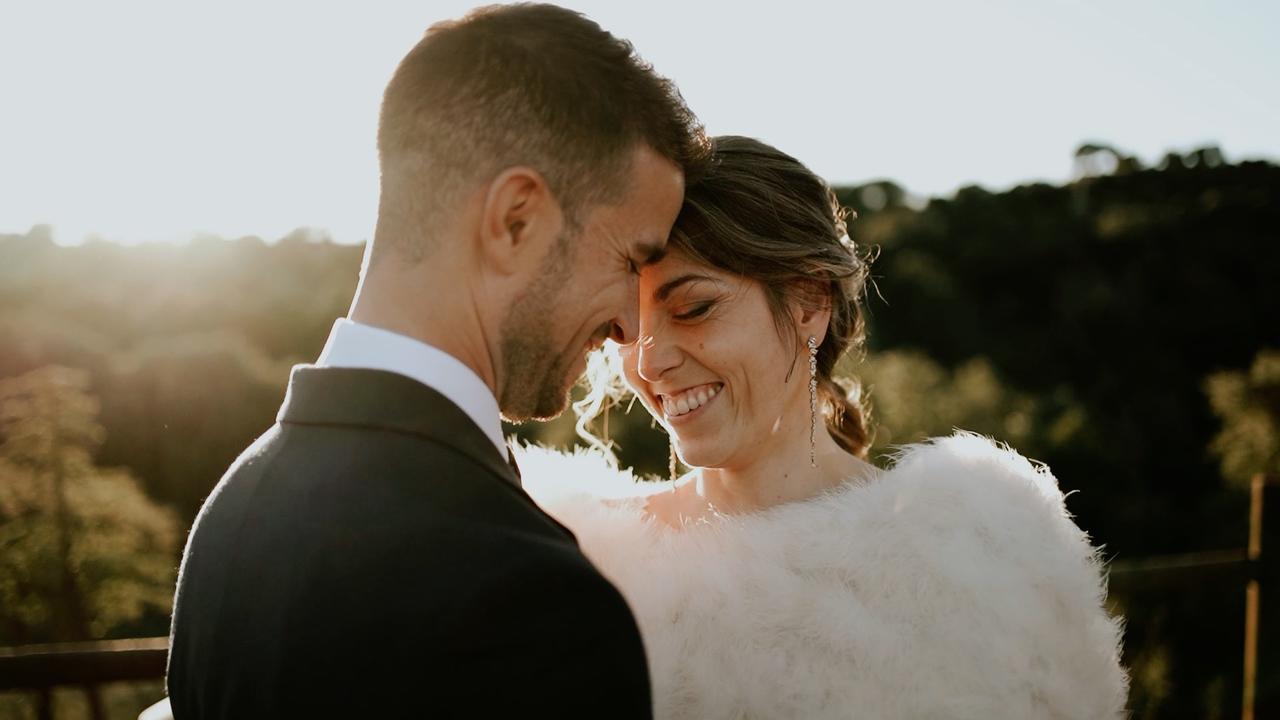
(786, 577)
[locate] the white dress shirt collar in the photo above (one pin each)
(355, 345)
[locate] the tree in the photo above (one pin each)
(1248, 403)
(84, 550)
(914, 398)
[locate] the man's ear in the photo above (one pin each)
(519, 220)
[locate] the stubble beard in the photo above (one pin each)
(536, 375)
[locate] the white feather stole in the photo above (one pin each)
(953, 585)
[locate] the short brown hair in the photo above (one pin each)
(761, 214)
(525, 84)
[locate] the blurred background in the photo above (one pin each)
(1076, 209)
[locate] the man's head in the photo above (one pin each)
(520, 85)
(540, 158)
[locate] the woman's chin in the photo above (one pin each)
(695, 454)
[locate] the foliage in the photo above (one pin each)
(1248, 403)
(84, 550)
(915, 399)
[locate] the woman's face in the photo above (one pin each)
(710, 364)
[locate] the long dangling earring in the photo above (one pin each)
(813, 400)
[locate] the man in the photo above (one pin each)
(373, 553)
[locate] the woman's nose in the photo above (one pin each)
(655, 355)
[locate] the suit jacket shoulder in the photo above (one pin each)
(379, 552)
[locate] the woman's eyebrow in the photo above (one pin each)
(669, 286)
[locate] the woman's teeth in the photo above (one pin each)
(689, 400)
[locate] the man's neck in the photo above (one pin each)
(427, 309)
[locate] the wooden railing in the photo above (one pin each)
(43, 667)
(1247, 567)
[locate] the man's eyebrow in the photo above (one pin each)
(669, 286)
(650, 253)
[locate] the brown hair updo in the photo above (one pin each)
(761, 214)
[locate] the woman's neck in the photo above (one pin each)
(780, 473)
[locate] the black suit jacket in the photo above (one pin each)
(373, 555)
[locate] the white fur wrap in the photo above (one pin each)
(953, 585)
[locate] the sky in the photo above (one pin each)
(150, 121)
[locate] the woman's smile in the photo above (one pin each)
(683, 406)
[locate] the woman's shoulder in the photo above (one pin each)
(990, 523)
(969, 526)
(967, 494)
(972, 461)
(966, 481)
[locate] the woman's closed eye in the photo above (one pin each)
(694, 310)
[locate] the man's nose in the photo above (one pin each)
(627, 325)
